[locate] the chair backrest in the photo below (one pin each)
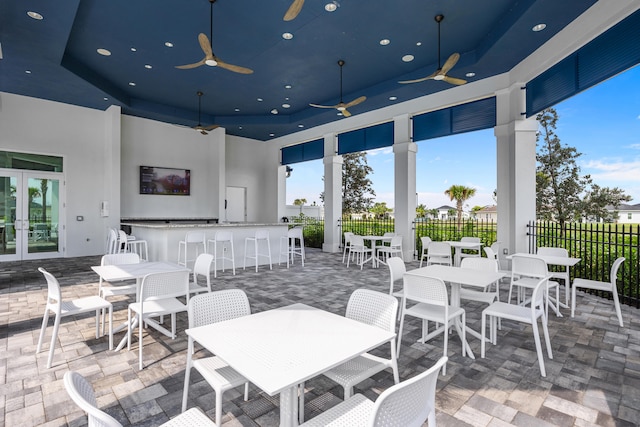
(112, 241)
(347, 237)
(426, 241)
(357, 241)
(491, 254)
(613, 275)
(202, 266)
(410, 402)
(122, 258)
(262, 234)
(122, 241)
(218, 306)
(53, 287)
(439, 249)
(529, 266)
(195, 237)
(553, 251)
(470, 239)
(81, 392)
(430, 290)
(389, 234)
(396, 241)
(396, 271)
(495, 247)
(295, 233)
(477, 263)
(165, 285)
(373, 308)
(223, 236)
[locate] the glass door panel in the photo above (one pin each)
(43, 207)
(8, 190)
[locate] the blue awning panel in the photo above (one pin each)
(462, 118)
(312, 150)
(370, 138)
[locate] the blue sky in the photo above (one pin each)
(602, 123)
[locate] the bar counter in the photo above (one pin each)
(162, 237)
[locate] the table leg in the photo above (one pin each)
(289, 407)
(455, 302)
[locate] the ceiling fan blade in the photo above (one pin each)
(211, 127)
(429, 77)
(454, 81)
(293, 10)
(202, 131)
(234, 68)
(324, 106)
(355, 102)
(205, 45)
(451, 61)
(187, 66)
(346, 113)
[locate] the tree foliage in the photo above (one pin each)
(421, 211)
(460, 194)
(380, 209)
(562, 194)
(357, 188)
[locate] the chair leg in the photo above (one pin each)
(140, 343)
(616, 302)
(218, 407)
(536, 337)
(45, 320)
(483, 334)
(56, 326)
(187, 374)
(573, 301)
(301, 403)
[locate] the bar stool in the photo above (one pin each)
(192, 238)
(255, 241)
(291, 249)
(225, 240)
(128, 243)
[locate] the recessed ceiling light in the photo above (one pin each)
(287, 36)
(28, 71)
(259, 99)
(471, 74)
(274, 111)
(286, 106)
(105, 98)
(393, 98)
(35, 15)
(339, 114)
(539, 27)
(148, 67)
(132, 84)
(168, 44)
(240, 127)
(133, 49)
(237, 110)
(300, 126)
(288, 86)
(331, 7)
(407, 58)
(104, 52)
(384, 42)
(419, 44)
(272, 134)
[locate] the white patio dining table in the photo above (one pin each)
(374, 240)
(137, 272)
(279, 349)
(459, 246)
(456, 276)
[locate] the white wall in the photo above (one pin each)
(78, 135)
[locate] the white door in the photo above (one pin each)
(236, 204)
(30, 215)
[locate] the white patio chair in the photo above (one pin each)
(206, 309)
(596, 285)
(347, 245)
(394, 249)
(158, 297)
(397, 268)
(439, 253)
(525, 274)
(431, 304)
(112, 241)
(222, 241)
(62, 308)
(81, 392)
(562, 274)
(487, 296)
(359, 251)
(407, 404)
(195, 239)
(470, 252)
(108, 289)
(260, 236)
(425, 241)
(375, 309)
(202, 267)
(518, 313)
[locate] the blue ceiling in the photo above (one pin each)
(60, 51)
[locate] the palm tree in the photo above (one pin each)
(460, 194)
(301, 203)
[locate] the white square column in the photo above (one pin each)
(516, 169)
(332, 195)
(404, 183)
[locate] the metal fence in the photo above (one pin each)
(597, 245)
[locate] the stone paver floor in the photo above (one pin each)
(593, 379)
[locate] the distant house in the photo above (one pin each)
(443, 212)
(627, 214)
(487, 213)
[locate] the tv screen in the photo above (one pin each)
(167, 181)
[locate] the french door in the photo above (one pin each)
(31, 225)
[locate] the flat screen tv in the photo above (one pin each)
(165, 181)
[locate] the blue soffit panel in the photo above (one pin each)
(311, 150)
(370, 138)
(472, 116)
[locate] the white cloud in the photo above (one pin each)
(634, 146)
(380, 151)
(614, 170)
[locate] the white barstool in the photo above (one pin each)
(224, 239)
(291, 249)
(261, 235)
(193, 239)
